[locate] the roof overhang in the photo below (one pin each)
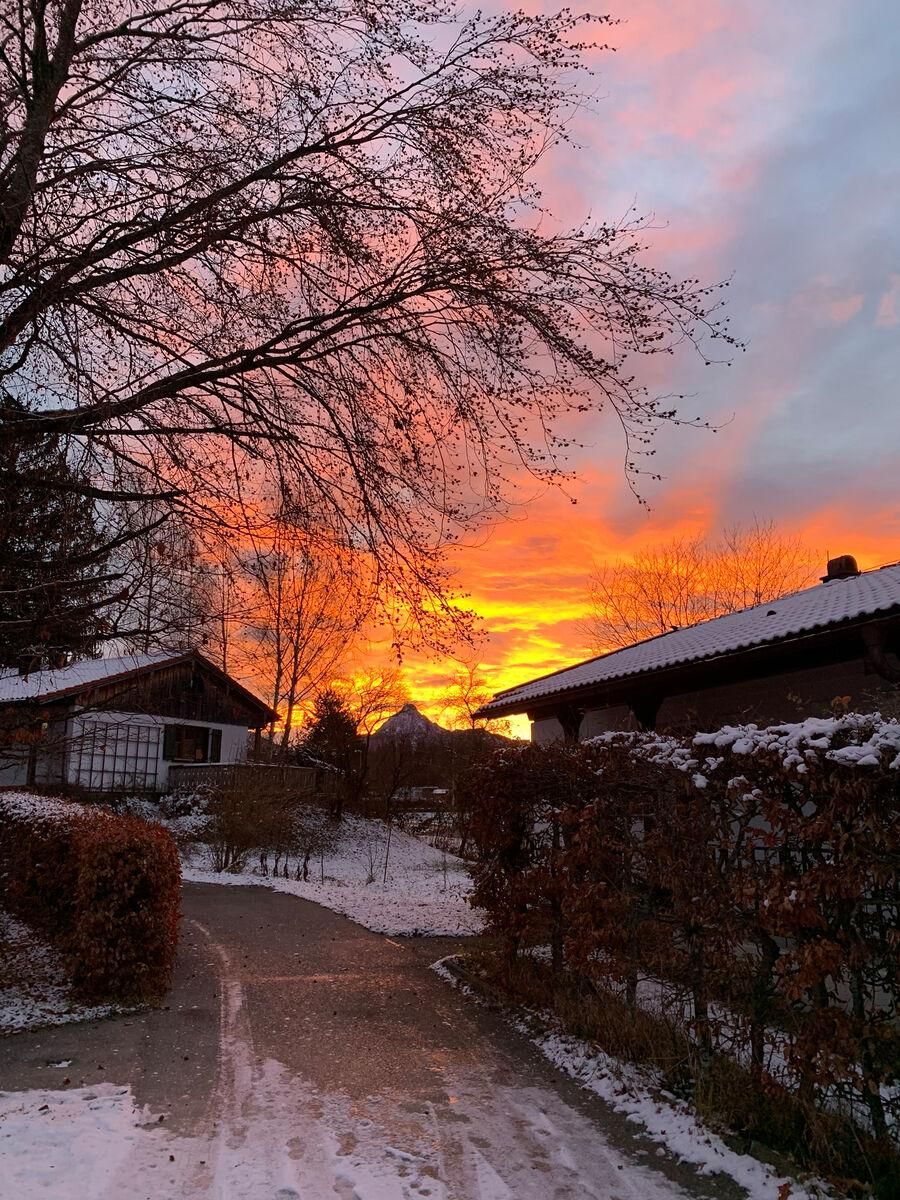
(71, 693)
(820, 647)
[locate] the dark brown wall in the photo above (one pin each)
(789, 696)
(184, 690)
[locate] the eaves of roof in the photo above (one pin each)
(615, 688)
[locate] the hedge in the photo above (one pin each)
(103, 889)
(750, 878)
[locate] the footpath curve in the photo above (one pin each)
(301, 1056)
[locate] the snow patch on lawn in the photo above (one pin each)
(631, 1091)
(34, 985)
(66, 1144)
(426, 892)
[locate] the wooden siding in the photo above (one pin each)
(184, 690)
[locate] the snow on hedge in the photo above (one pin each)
(24, 805)
(853, 739)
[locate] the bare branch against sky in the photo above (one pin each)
(254, 250)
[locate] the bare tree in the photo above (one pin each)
(172, 602)
(308, 602)
(257, 245)
(469, 691)
(679, 583)
(372, 695)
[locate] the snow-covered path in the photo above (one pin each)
(304, 1057)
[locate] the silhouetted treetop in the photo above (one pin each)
(256, 248)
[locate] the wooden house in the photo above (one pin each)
(114, 724)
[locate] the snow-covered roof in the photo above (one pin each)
(836, 602)
(45, 683)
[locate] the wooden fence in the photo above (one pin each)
(248, 777)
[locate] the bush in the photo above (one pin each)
(748, 879)
(524, 799)
(271, 819)
(104, 889)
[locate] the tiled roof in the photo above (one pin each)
(837, 602)
(44, 684)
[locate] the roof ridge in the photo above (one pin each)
(779, 619)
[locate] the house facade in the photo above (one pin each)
(781, 661)
(119, 724)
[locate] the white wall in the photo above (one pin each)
(602, 720)
(596, 721)
(106, 750)
(547, 730)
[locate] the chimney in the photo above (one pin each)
(842, 567)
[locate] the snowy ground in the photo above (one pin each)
(55, 1143)
(279, 1139)
(443, 1113)
(98, 1143)
(425, 893)
(636, 1094)
(34, 987)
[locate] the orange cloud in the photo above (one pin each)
(533, 594)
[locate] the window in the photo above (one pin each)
(113, 756)
(192, 744)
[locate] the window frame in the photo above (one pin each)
(203, 736)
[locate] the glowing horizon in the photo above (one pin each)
(764, 142)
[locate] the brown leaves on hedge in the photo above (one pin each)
(764, 888)
(103, 888)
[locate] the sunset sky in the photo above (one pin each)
(764, 138)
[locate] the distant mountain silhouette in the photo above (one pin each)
(413, 728)
(409, 725)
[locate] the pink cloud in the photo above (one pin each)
(662, 31)
(889, 305)
(845, 309)
(825, 300)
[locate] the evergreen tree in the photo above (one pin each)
(53, 578)
(331, 733)
(331, 738)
